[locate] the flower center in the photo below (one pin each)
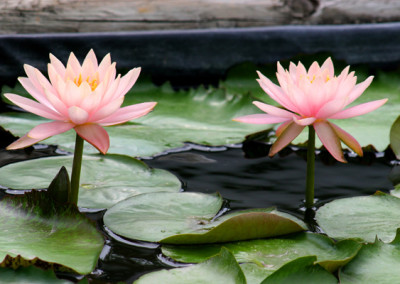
(93, 82)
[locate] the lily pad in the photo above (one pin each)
(31, 275)
(375, 263)
(33, 228)
(190, 218)
(260, 258)
(364, 217)
(222, 268)
(198, 115)
(395, 137)
(301, 271)
(105, 180)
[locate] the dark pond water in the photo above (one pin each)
(244, 182)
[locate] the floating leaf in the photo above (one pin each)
(260, 258)
(105, 180)
(395, 137)
(200, 116)
(363, 217)
(34, 228)
(375, 263)
(222, 268)
(301, 271)
(188, 218)
(31, 275)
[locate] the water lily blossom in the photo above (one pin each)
(81, 97)
(309, 98)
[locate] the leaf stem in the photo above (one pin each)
(76, 170)
(310, 167)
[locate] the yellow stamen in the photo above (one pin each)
(92, 83)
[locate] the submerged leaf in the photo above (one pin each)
(31, 275)
(34, 228)
(105, 180)
(222, 268)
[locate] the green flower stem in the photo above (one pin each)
(310, 167)
(76, 170)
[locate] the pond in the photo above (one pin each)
(190, 195)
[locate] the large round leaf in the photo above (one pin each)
(200, 116)
(222, 268)
(105, 180)
(364, 217)
(375, 263)
(301, 271)
(260, 258)
(32, 228)
(188, 218)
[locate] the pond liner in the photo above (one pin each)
(204, 54)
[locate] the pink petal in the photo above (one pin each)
(359, 109)
(347, 139)
(77, 115)
(57, 104)
(291, 131)
(106, 110)
(328, 65)
(95, 135)
(275, 92)
(104, 65)
(22, 142)
(127, 82)
(48, 129)
(313, 70)
(304, 121)
(58, 66)
(128, 113)
(92, 58)
(74, 64)
(282, 128)
(34, 92)
(272, 110)
(33, 107)
(359, 89)
(261, 119)
(330, 140)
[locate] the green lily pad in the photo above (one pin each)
(199, 116)
(301, 271)
(34, 228)
(395, 137)
(364, 217)
(222, 268)
(260, 258)
(188, 218)
(105, 180)
(31, 275)
(375, 263)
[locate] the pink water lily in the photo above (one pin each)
(81, 97)
(311, 98)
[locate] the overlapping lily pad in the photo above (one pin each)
(364, 217)
(260, 258)
(375, 263)
(200, 116)
(188, 218)
(33, 227)
(301, 271)
(222, 268)
(105, 180)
